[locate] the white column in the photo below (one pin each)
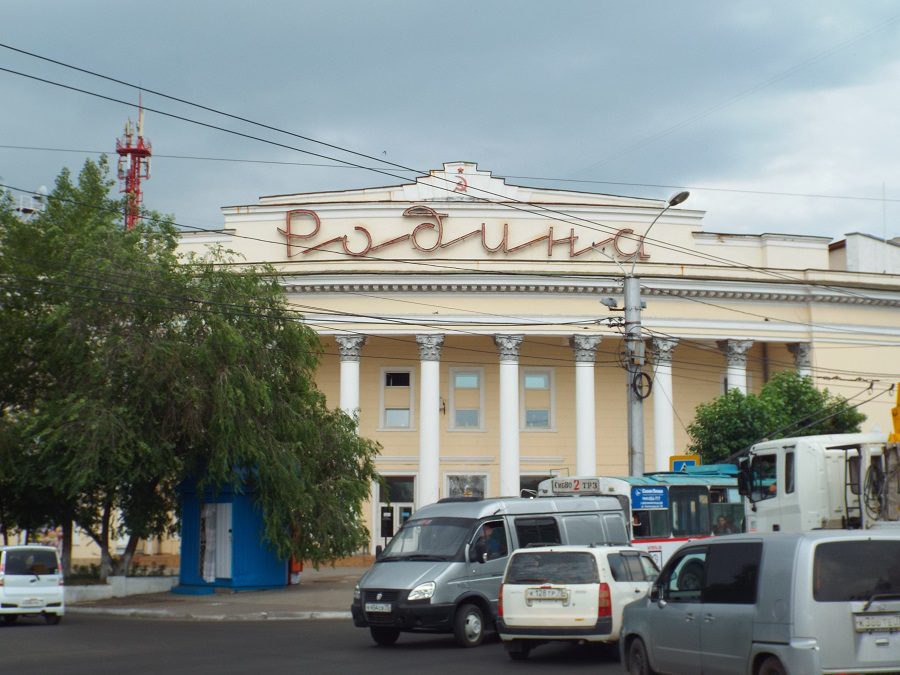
(428, 484)
(508, 348)
(350, 347)
(585, 347)
(663, 403)
(802, 352)
(736, 357)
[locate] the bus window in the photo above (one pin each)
(726, 518)
(650, 524)
(690, 511)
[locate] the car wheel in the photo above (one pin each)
(10, 618)
(468, 626)
(638, 663)
(52, 619)
(384, 636)
(519, 650)
(771, 666)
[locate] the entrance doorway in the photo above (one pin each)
(395, 506)
(215, 541)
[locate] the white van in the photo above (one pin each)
(31, 582)
(441, 572)
(573, 593)
(826, 601)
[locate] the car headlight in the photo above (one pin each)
(422, 591)
(356, 592)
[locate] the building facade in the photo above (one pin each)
(475, 327)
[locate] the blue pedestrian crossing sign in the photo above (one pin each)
(680, 463)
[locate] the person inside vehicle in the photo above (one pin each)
(492, 542)
(723, 526)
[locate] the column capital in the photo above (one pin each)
(585, 347)
(430, 347)
(802, 352)
(735, 351)
(350, 346)
(508, 346)
(662, 349)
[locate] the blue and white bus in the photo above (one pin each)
(666, 508)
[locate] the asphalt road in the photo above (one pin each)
(96, 645)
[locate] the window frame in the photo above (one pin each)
(451, 423)
(382, 410)
(551, 390)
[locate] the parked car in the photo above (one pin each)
(31, 582)
(569, 593)
(441, 572)
(826, 601)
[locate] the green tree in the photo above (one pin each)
(126, 370)
(788, 405)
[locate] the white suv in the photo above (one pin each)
(31, 582)
(569, 593)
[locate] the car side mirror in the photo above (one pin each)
(658, 595)
(378, 551)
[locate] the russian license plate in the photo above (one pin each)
(867, 622)
(378, 607)
(31, 602)
(546, 594)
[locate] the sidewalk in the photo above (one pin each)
(322, 594)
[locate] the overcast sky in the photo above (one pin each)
(727, 99)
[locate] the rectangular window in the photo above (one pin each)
(537, 532)
(396, 398)
(844, 571)
(789, 473)
(763, 477)
(732, 573)
(466, 399)
(552, 568)
(466, 485)
(690, 511)
(537, 399)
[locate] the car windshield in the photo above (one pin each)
(429, 539)
(30, 561)
(552, 568)
(856, 570)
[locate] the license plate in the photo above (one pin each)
(378, 607)
(546, 594)
(867, 622)
(31, 602)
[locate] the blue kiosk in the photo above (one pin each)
(222, 545)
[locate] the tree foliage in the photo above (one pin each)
(126, 370)
(788, 405)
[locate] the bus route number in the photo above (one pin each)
(563, 486)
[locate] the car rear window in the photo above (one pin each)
(31, 562)
(856, 570)
(552, 568)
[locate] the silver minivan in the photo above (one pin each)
(31, 582)
(826, 601)
(441, 572)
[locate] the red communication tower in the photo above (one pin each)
(134, 165)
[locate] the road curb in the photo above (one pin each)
(137, 613)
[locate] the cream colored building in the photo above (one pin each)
(462, 321)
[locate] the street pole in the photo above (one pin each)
(634, 363)
(634, 353)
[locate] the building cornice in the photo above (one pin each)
(709, 289)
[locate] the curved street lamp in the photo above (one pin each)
(634, 351)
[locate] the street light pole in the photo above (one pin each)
(634, 353)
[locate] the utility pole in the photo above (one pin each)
(638, 383)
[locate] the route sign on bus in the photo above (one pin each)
(575, 486)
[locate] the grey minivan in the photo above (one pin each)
(441, 572)
(826, 601)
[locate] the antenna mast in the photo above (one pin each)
(134, 165)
